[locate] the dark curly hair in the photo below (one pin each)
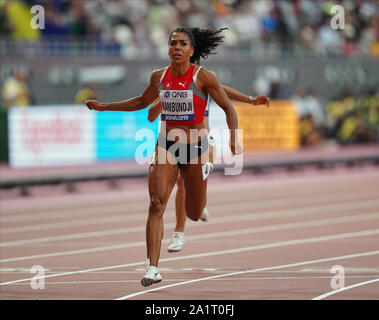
(204, 41)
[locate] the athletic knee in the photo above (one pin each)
(194, 218)
(156, 205)
(193, 214)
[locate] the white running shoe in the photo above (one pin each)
(177, 242)
(151, 276)
(204, 215)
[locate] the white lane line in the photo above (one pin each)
(127, 207)
(212, 235)
(76, 223)
(328, 294)
(291, 211)
(75, 212)
(346, 269)
(65, 201)
(88, 201)
(79, 251)
(178, 279)
(249, 271)
(260, 204)
(222, 252)
(14, 205)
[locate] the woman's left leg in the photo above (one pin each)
(195, 190)
(180, 211)
(178, 238)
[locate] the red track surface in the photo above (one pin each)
(273, 236)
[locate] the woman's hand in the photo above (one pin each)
(235, 146)
(260, 100)
(95, 105)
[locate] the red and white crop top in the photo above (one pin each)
(181, 100)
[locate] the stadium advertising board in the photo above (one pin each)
(125, 135)
(273, 128)
(262, 128)
(50, 136)
(72, 135)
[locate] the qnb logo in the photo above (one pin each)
(338, 20)
(38, 281)
(38, 21)
(337, 281)
(179, 94)
(167, 94)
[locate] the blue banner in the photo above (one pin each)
(125, 135)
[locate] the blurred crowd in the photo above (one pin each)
(146, 24)
(347, 119)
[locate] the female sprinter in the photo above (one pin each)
(207, 41)
(183, 89)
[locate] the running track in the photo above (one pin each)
(271, 236)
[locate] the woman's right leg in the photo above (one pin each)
(162, 178)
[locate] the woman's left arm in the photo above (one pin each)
(209, 82)
(234, 94)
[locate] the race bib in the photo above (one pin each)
(177, 105)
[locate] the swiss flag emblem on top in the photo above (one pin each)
(167, 85)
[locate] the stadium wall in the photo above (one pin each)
(56, 80)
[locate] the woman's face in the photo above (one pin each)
(179, 47)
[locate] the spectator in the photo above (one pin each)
(329, 41)
(87, 92)
(309, 134)
(298, 99)
(15, 90)
(311, 116)
(312, 105)
(278, 91)
(16, 24)
(5, 23)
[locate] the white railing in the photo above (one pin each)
(91, 47)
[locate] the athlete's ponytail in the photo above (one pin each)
(204, 41)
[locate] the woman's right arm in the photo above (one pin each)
(132, 104)
(154, 110)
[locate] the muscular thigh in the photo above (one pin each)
(162, 178)
(195, 187)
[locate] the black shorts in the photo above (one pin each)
(183, 152)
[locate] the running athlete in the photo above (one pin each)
(178, 237)
(182, 145)
(208, 41)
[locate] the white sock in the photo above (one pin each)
(179, 233)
